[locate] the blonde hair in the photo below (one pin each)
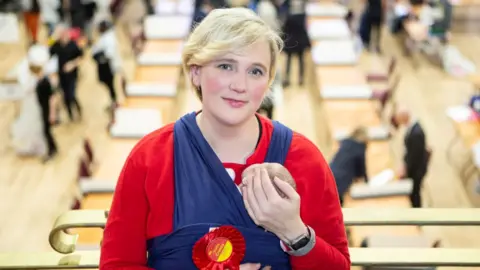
(225, 31)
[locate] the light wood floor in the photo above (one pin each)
(32, 195)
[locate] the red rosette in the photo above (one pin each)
(220, 249)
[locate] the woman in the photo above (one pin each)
(268, 12)
(182, 180)
(349, 162)
(31, 131)
(371, 23)
(296, 37)
(106, 54)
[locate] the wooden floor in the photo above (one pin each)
(32, 195)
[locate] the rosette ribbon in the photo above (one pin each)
(222, 248)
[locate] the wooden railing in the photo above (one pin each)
(66, 257)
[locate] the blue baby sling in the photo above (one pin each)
(206, 197)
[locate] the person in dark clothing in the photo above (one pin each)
(46, 99)
(74, 12)
(417, 155)
(349, 162)
(105, 54)
(296, 37)
(371, 23)
(38, 58)
(69, 56)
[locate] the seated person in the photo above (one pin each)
(182, 181)
(349, 162)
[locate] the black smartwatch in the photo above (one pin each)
(301, 241)
(302, 244)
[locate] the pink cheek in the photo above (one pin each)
(258, 92)
(214, 85)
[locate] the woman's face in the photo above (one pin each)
(233, 86)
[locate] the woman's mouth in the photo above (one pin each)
(235, 103)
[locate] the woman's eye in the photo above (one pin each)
(225, 66)
(257, 72)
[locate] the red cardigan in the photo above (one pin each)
(143, 202)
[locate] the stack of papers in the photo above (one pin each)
(460, 113)
(382, 178)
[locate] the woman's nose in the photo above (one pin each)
(239, 83)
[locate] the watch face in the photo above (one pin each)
(301, 243)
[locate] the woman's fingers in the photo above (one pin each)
(257, 186)
(268, 187)
(287, 189)
(250, 266)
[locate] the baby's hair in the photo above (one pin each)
(274, 170)
(228, 30)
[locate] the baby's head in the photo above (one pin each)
(273, 170)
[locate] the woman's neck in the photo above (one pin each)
(232, 144)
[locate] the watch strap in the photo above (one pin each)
(303, 250)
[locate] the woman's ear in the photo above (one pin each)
(195, 75)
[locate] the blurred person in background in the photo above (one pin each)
(295, 37)
(31, 15)
(106, 54)
(349, 162)
(31, 131)
(268, 11)
(371, 23)
(69, 56)
(416, 156)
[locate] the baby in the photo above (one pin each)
(273, 170)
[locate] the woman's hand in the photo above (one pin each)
(253, 266)
(268, 209)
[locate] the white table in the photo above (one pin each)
(159, 59)
(9, 28)
(335, 52)
(135, 123)
(175, 7)
(151, 89)
(167, 27)
(329, 29)
(346, 92)
(333, 10)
